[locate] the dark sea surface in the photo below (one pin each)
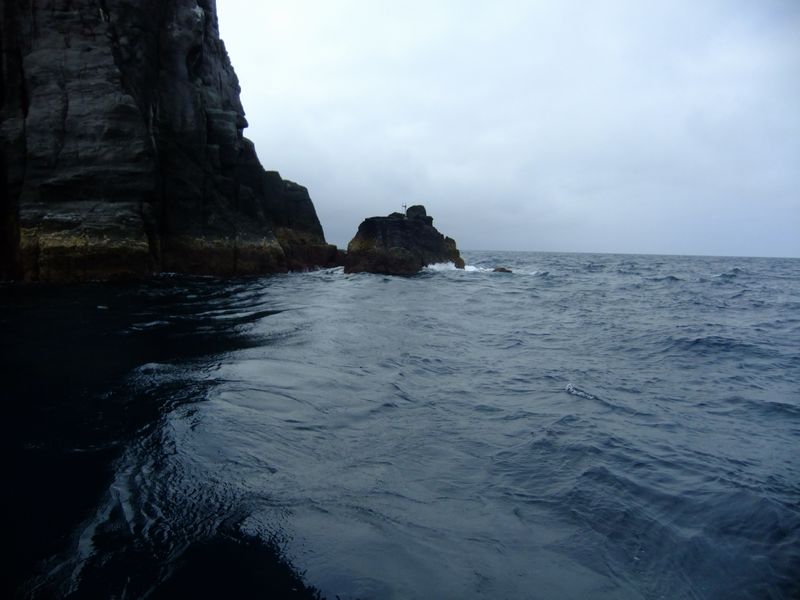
(589, 426)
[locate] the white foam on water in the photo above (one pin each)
(474, 269)
(448, 266)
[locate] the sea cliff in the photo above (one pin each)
(123, 151)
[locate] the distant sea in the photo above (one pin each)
(588, 426)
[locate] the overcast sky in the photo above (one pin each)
(591, 126)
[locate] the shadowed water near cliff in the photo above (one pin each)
(587, 426)
(76, 410)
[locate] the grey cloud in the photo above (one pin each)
(668, 127)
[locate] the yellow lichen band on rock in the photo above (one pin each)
(259, 257)
(66, 256)
(223, 256)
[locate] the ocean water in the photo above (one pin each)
(589, 426)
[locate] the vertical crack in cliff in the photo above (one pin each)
(61, 132)
(34, 19)
(24, 98)
(142, 97)
(105, 17)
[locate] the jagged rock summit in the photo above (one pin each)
(123, 153)
(400, 244)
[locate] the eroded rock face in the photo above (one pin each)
(399, 245)
(123, 152)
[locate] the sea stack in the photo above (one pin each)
(399, 244)
(122, 150)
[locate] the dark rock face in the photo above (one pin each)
(399, 245)
(123, 154)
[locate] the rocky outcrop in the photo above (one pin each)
(399, 245)
(123, 151)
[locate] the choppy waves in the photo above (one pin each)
(585, 427)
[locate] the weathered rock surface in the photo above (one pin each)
(123, 154)
(399, 245)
